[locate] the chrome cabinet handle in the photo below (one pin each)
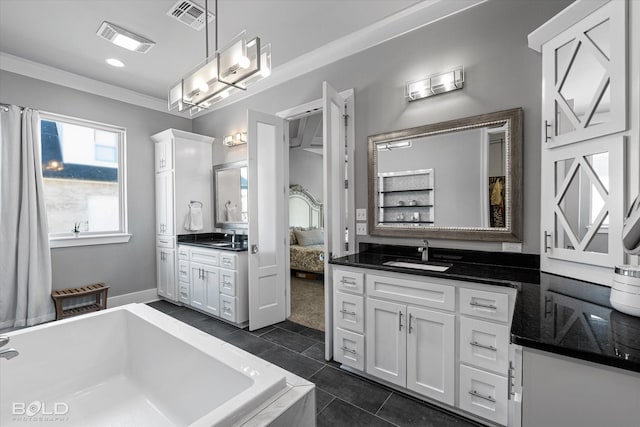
(410, 319)
(487, 347)
(482, 396)
(477, 304)
(348, 350)
(547, 125)
(347, 282)
(547, 248)
(510, 379)
(343, 311)
(400, 321)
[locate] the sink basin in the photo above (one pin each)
(419, 265)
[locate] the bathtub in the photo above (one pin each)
(131, 365)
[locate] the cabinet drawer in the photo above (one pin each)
(183, 271)
(204, 256)
(349, 281)
(165, 242)
(489, 305)
(183, 292)
(412, 292)
(228, 282)
(348, 348)
(228, 308)
(483, 394)
(349, 312)
(228, 260)
(183, 252)
(484, 344)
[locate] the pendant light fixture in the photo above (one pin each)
(228, 70)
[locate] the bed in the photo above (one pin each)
(306, 232)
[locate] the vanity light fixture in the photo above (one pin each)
(235, 139)
(226, 71)
(435, 84)
(123, 38)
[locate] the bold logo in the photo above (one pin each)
(39, 408)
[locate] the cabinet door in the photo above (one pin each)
(584, 78)
(582, 209)
(164, 155)
(198, 296)
(165, 273)
(386, 341)
(164, 204)
(431, 354)
(212, 290)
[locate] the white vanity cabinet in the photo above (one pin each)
(440, 339)
(584, 130)
(182, 174)
(205, 283)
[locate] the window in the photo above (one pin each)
(84, 181)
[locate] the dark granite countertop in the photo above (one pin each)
(220, 241)
(552, 313)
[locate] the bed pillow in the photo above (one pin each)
(292, 238)
(310, 237)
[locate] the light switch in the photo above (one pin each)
(361, 214)
(361, 228)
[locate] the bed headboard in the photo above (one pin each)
(304, 210)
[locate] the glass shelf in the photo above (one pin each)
(405, 206)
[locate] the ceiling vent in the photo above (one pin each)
(123, 38)
(189, 14)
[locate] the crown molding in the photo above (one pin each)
(36, 70)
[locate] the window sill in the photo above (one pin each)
(88, 240)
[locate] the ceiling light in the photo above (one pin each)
(123, 38)
(115, 62)
(226, 71)
(435, 84)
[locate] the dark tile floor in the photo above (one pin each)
(342, 399)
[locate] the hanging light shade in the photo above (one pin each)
(232, 68)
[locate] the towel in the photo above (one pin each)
(194, 220)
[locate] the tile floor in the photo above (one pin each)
(342, 399)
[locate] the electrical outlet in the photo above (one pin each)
(361, 214)
(361, 228)
(511, 247)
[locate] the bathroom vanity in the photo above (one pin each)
(501, 344)
(213, 276)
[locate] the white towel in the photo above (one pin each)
(194, 220)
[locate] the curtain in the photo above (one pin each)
(25, 256)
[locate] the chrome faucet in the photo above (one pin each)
(8, 353)
(425, 250)
(233, 237)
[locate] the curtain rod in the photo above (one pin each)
(5, 107)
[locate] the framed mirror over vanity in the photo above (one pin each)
(230, 195)
(459, 179)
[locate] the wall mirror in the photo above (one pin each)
(460, 179)
(230, 194)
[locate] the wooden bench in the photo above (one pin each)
(97, 289)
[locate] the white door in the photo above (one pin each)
(198, 296)
(431, 354)
(211, 290)
(334, 197)
(268, 219)
(165, 274)
(386, 341)
(164, 203)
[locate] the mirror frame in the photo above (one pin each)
(512, 232)
(216, 168)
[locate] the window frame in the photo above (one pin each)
(86, 238)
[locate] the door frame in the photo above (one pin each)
(313, 107)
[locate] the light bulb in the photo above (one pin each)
(244, 62)
(203, 86)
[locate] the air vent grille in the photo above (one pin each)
(189, 14)
(109, 31)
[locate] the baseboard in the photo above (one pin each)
(147, 295)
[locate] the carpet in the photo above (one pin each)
(307, 302)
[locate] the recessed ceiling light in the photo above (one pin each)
(115, 62)
(123, 38)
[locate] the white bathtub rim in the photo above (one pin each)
(268, 382)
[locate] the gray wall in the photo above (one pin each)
(305, 168)
(127, 267)
(490, 40)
